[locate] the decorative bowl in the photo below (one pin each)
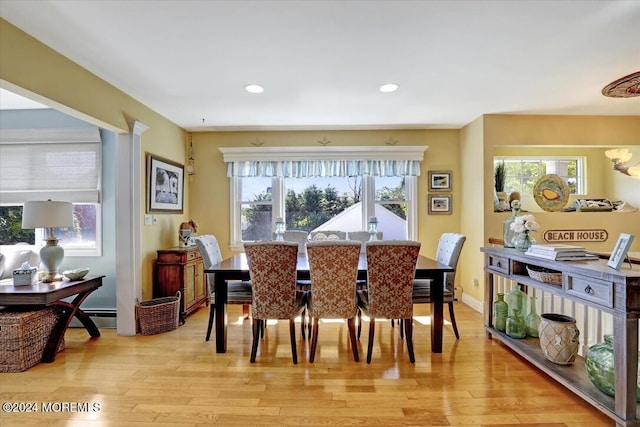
(76, 274)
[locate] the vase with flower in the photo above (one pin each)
(523, 225)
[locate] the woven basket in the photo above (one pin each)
(158, 315)
(24, 336)
(544, 275)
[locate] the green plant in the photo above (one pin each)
(499, 177)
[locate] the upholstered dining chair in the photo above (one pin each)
(391, 266)
(328, 235)
(448, 253)
(238, 292)
(301, 237)
(272, 268)
(333, 266)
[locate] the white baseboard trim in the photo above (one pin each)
(473, 303)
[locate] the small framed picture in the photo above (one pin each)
(439, 204)
(620, 251)
(440, 181)
(165, 180)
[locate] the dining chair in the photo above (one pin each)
(327, 235)
(391, 266)
(299, 236)
(238, 292)
(272, 268)
(363, 236)
(333, 267)
(448, 253)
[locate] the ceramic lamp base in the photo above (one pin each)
(51, 256)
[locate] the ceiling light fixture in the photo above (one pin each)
(619, 157)
(626, 87)
(389, 87)
(253, 88)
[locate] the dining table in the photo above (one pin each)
(237, 268)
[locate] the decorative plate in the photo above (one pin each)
(551, 193)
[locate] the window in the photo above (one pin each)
(339, 193)
(59, 164)
(523, 172)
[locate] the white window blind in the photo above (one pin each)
(58, 164)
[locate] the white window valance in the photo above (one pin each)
(304, 162)
(58, 164)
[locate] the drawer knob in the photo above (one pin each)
(588, 289)
(498, 264)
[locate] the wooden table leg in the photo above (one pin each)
(220, 289)
(437, 313)
(67, 311)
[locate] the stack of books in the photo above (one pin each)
(560, 252)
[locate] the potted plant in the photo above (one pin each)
(499, 177)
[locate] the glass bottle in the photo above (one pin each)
(523, 241)
(599, 363)
(517, 300)
(373, 228)
(515, 325)
(508, 235)
(532, 320)
(280, 228)
(500, 313)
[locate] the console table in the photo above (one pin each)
(593, 284)
(53, 293)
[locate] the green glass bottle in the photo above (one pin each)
(515, 325)
(599, 363)
(532, 320)
(517, 300)
(500, 313)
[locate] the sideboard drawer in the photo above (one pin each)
(590, 289)
(499, 264)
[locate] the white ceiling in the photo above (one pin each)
(321, 62)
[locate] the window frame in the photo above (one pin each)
(581, 168)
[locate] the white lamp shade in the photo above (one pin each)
(47, 214)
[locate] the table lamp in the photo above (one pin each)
(50, 215)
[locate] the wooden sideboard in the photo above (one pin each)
(593, 284)
(181, 269)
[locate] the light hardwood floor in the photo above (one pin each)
(177, 379)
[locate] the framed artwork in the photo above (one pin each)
(620, 251)
(165, 180)
(440, 181)
(439, 204)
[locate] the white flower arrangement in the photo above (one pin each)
(525, 223)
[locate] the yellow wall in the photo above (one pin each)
(210, 186)
(31, 68)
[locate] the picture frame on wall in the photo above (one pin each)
(165, 185)
(439, 204)
(440, 181)
(620, 250)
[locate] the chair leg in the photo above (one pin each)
(212, 312)
(256, 337)
(372, 331)
(408, 327)
(359, 322)
(303, 323)
(453, 320)
(401, 326)
(246, 311)
(292, 337)
(314, 340)
(354, 343)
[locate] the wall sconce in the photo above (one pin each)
(619, 157)
(191, 160)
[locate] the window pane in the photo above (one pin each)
(255, 189)
(83, 233)
(390, 188)
(11, 231)
(311, 202)
(256, 221)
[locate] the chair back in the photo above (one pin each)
(333, 266)
(391, 266)
(327, 235)
(448, 253)
(210, 251)
(272, 268)
(362, 236)
(300, 237)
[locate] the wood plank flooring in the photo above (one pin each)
(177, 379)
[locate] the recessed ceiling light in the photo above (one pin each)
(389, 87)
(254, 88)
